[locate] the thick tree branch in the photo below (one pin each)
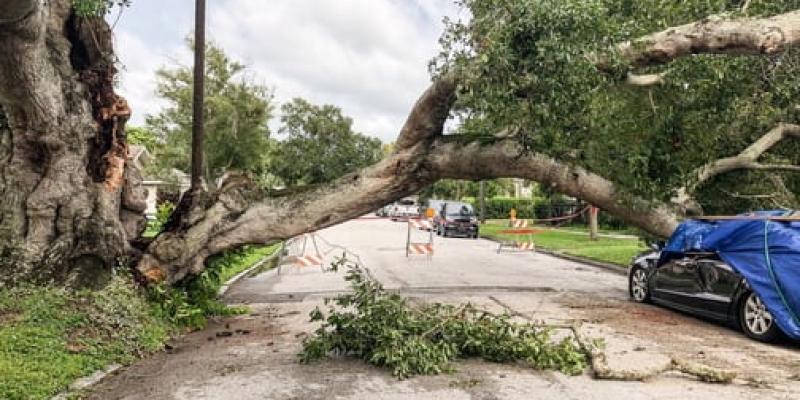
(233, 220)
(747, 159)
(429, 114)
(507, 159)
(711, 36)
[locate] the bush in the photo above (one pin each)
(189, 303)
(499, 207)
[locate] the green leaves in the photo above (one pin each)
(96, 8)
(386, 330)
(527, 66)
(236, 114)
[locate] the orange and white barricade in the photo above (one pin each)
(301, 260)
(518, 228)
(419, 247)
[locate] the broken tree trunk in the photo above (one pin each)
(69, 204)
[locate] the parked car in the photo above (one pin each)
(703, 285)
(384, 211)
(404, 209)
(456, 218)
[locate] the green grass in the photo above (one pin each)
(610, 250)
(251, 256)
(51, 336)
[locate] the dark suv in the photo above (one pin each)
(456, 218)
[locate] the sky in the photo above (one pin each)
(369, 57)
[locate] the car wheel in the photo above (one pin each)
(756, 320)
(637, 285)
(444, 232)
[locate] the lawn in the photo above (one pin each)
(50, 336)
(610, 250)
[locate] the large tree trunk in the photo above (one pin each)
(68, 205)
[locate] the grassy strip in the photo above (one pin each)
(51, 336)
(610, 250)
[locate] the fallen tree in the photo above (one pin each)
(71, 206)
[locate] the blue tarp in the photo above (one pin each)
(765, 252)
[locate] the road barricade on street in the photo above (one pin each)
(523, 236)
(413, 245)
(301, 245)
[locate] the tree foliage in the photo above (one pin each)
(527, 69)
(96, 8)
(236, 114)
(320, 144)
(386, 330)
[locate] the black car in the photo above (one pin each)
(456, 218)
(704, 285)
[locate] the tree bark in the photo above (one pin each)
(68, 203)
(714, 35)
(236, 216)
(746, 159)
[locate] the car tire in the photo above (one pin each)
(755, 320)
(637, 285)
(444, 232)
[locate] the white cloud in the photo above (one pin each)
(367, 56)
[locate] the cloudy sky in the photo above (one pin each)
(368, 57)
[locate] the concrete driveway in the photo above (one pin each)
(253, 356)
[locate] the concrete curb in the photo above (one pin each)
(236, 278)
(617, 269)
(87, 381)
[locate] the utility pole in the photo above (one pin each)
(198, 94)
(482, 200)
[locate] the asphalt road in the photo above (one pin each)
(257, 361)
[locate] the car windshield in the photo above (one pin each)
(463, 210)
(406, 202)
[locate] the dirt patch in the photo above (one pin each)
(8, 317)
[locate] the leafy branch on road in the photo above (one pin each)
(384, 329)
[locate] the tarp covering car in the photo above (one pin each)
(764, 247)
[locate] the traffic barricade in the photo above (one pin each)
(300, 260)
(419, 247)
(523, 236)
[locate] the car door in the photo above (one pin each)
(719, 285)
(678, 283)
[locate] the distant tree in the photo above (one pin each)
(457, 189)
(236, 115)
(320, 145)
